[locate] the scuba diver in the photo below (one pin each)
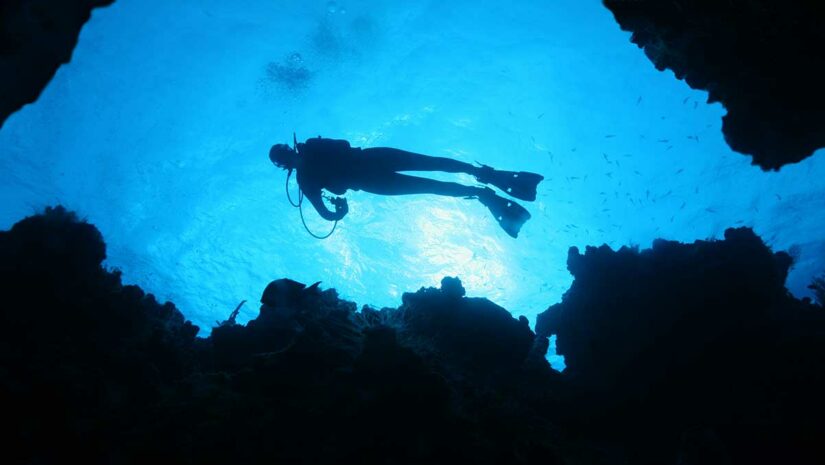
(334, 165)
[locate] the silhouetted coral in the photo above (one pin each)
(694, 348)
(102, 373)
(818, 286)
(691, 354)
(36, 37)
(760, 58)
(81, 356)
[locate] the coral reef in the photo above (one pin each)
(759, 58)
(101, 372)
(82, 357)
(690, 354)
(36, 37)
(693, 347)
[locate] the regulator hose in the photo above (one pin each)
(300, 208)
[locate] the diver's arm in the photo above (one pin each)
(341, 207)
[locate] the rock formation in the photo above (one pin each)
(761, 59)
(36, 37)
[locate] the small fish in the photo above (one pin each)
(605, 209)
(610, 136)
(695, 104)
(663, 141)
(680, 170)
(539, 117)
(710, 210)
(609, 175)
(683, 206)
(669, 147)
(637, 172)
(778, 197)
(639, 100)
(685, 100)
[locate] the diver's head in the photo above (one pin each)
(283, 156)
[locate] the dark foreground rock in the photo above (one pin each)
(36, 37)
(762, 59)
(686, 354)
(697, 348)
(95, 371)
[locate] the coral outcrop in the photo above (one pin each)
(690, 354)
(693, 347)
(760, 58)
(36, 37)
(100, 372)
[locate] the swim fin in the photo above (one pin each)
(519, 184)
(510, 215)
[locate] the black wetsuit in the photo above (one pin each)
(334, 165)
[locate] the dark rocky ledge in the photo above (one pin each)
(762, 59)
(698, 347)
(36, 37)
(690, 354)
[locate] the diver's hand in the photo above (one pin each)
(341, 207)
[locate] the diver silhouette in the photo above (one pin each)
(334, 165)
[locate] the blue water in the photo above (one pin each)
(159, 128)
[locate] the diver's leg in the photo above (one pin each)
(400, 160)
(509, 215)
(401, 184)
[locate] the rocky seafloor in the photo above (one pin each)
(681, 354)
